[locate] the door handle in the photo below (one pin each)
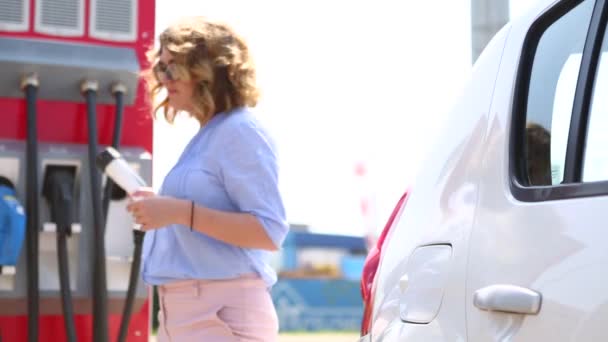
(508, 298)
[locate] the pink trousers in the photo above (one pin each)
(217, 310)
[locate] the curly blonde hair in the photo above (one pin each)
(215, 58)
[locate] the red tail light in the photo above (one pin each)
(371, 266)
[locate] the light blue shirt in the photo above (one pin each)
(229, 165)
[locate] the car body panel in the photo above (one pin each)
(443, 200)
(557, 248)
(462, 198)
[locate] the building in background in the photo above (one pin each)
(487, 18)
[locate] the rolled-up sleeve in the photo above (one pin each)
(249, 171)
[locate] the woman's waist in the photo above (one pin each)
(172, 257)
(247, 279)
(177, 242)
(184, 265)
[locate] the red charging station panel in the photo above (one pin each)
(66, 122)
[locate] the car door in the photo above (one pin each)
(538, 249)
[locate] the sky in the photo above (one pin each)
(343, 83)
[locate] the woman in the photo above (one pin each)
(218, 215)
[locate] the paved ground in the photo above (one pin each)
(303, 337)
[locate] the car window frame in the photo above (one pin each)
(571, 187)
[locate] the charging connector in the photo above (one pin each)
(58, 189)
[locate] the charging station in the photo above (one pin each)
(70, 86)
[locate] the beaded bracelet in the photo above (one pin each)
(191, 214)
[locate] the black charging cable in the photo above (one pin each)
(29, 85)
(112, 190)
(58, 189)
(99, 285)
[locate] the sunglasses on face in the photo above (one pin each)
(166, 72)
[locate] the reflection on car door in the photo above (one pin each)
(538, 257)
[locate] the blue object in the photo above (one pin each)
(352, 267)
(351, 243)
(296, 240)
(12, 225)
(318, 304)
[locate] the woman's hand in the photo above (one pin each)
(152, 211)
(142, 193)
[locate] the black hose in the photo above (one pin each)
(115, 143)
(64, 285)
(119, 96)
(33, 292)
(58, 189)
(138, 238)
(100, 291)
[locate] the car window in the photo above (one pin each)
(561, 115)
(595, 157)
(550, 97)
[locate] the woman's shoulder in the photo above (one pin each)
(241, 130)
(242, 122)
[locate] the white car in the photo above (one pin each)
(504, 234)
